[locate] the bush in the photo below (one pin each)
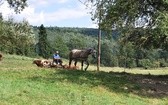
(114, 61)
(121, 61)
(145, 63)
(156, 64)
(130, 63)
(163, 63)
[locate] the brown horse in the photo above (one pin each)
(81, 55)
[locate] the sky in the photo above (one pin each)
(60, 13)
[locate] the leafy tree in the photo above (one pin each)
(16, 37)
(61, 46)
(76, 43)
(144, 21)
(106, 55)
(43, 44)
(17, 5)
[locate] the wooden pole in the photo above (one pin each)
(99, 41)
(99, 49)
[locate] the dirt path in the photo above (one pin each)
(155, 86)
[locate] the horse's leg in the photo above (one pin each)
(70, 60)
(75, 63)
(87, 63)
(82, 65)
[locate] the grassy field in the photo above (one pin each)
(22, 83)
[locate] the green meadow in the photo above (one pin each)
(23, 83)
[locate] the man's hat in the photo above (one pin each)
(57, 52)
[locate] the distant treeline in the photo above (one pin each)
(113, 51)
(35, 41)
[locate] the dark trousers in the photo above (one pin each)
(58, 61)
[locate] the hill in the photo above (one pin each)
(21, 82)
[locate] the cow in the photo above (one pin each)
(42, 63)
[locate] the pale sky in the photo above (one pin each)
(61, 13)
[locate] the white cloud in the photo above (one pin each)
(45, 3)
(36, 18)
(93, 26)
(65, 13)
(5, 10)
(59, 15)
(62, 1)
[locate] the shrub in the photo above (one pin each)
(145, 63)
(130, 63)
(163, 63)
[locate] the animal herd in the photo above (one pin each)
(74, 55)
(50, 64)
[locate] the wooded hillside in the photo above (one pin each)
(113, 52)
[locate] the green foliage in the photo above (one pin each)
(65, 39)
(142, 22)
(44, 48)
(76, 43)
(60, 45)
(17, 5)
(12, 36)
(163, 63)
(113, 52)
(146, 63)
(106, 55)
(130, 63)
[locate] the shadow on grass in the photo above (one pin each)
(142, 85)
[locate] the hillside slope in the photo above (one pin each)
(21, 82)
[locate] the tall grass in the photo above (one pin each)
(22, 83)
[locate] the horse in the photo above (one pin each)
(81, 55)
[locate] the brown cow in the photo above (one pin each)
(42, 63)
(38, 62)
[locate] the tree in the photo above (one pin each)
(60, 45)
(149, 17)
(106, 55)
(17, 5)
(16, 37)
(75, 42)
(43, 44)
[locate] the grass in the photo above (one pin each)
(22, 83)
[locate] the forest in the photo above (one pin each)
(39, 41)
(113, 52)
